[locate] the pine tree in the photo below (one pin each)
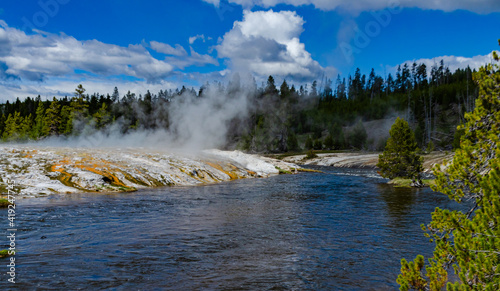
(400, 158)
(25, 128)
(292, 142)
(284, 91)
(270, 87)
(314, 89)
(337, 132)
(101, 117)
(469, 242)
(77, 102)
(309, 143)
(53, 118)
(40, 129)
(116, 95)
(13, 125)
(2, 124)
(329, 142)
(318, 144)
(66, 124)
(358, 136)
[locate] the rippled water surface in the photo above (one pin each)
(341, 230)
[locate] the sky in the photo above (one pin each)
(48, 47)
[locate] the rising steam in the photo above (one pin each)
(194, 123)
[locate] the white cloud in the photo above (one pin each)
(478, 6)
(60, 87)
(53, 65)
(194, 59)
(453, 62)
(267, 43)
(196, 37)
(168, 49)
(42, 55)
(216, 3)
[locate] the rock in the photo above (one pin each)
(45, 170)
(417, 183)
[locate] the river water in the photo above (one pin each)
(340, 230)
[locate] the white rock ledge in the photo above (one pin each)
(41, 171)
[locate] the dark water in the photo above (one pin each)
(343, 230)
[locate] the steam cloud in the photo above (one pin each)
(195, 123)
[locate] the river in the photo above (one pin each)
(340, 230)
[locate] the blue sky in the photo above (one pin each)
(48, 47)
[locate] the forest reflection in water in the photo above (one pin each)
(339, 230)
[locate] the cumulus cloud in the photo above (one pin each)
(60, 87)
(167, 49)
(194, 59)
(267, 43)
(478, 6)
(454, 62)
(196, 37)
(61, 62)
(42, 55)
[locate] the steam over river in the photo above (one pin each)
(342, 230)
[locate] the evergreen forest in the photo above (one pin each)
(326, 115)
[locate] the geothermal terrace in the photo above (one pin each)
(41, 171)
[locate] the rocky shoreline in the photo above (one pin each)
(362, 160)
(41, 171)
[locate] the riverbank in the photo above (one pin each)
(41, 171)
(361, 160)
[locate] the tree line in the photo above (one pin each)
(324, 115)
(467, 243)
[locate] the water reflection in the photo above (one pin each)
(398, 201)
(301, 232)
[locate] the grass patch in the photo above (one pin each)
(286, 155)
(309, 170)
(291, 154)
(4, 253)
(336, 151)
(4, 203)
(283, 171)
(406, 183)
(429, 182)
(400, 182)
(310, 155)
